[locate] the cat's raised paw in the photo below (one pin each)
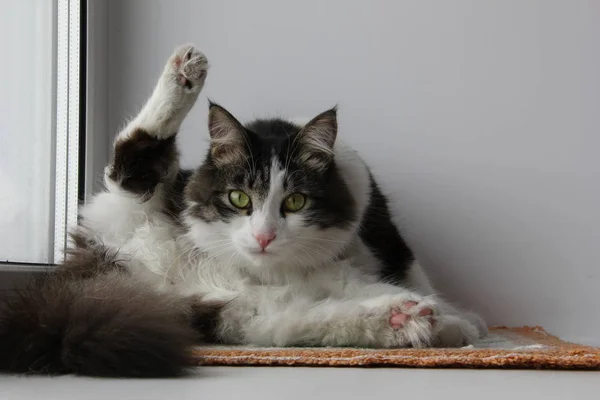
(189, 66)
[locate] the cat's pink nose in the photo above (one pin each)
(264, 239)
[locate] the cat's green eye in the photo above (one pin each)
(239, 199)
(294, 202)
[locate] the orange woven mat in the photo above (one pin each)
(524, 347)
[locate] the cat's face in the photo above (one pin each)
(269, 194)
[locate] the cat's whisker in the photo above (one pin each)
(217, 254)
(310, 256)
(290, 176)
(231, 258)
(287, 155)
(299, 263)
(326, 257)
(174, 262)
(220, 241)
(209, 249)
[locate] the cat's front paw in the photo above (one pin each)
(403, 322)
(189, 67)
(414, 321)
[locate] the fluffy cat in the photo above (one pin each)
(281, 237)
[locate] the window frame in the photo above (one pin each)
(70, 119)
(70, 84)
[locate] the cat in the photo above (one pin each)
(282, 237)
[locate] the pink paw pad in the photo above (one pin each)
(400, 317)
(426, 311)
(409, 305)
(397, 320)
(183, 81)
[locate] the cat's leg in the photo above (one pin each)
(451, 328)
(146, 160)
(402, 319)
(141, 176)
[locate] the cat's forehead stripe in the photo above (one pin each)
(275, 189)
(277, 174)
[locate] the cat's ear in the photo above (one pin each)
(317, 139)
(228, 141)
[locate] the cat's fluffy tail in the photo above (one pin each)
(108, 325)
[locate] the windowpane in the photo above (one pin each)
(26, 131)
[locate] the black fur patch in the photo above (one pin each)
(205, 317)
(380, 234)
(142, 161)
(174, 202)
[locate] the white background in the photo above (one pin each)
(481, 118)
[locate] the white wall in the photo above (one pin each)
(481, 119)
(97, 123)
